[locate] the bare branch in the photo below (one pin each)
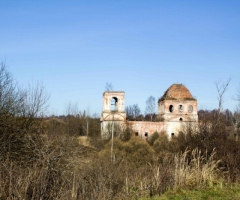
(150, 106)
(36, 101)
(11, 97)
(108, 87)
(133, 111)
(237, 96)
(221, 90)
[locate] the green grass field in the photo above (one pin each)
(215, 193)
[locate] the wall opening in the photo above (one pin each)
(146, 134)
(180, 119)
(180, 108)
(171, 108)
(114, 102)
(172, 134)
(190, 108)
(136, 133)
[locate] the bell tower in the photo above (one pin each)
(112, 111)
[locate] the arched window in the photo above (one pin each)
(180, 108)
(114, 102)
(171, 108)
(190, 109)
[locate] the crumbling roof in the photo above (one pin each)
(177, 92)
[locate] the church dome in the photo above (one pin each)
(177, 92)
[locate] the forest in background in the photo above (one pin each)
(64, 157)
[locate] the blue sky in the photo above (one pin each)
(141, 47)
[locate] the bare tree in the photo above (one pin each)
(129, 112)
(133, 111)
(237, 122)
(72, 109)
(136, 110)
(237, 97)
(221, 90)
(19, 109)
(11, 97)
(150, 106)
(36, 101)
(108, 87)
(218, 128)
(237, 113)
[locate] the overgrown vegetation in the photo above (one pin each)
(63, 157)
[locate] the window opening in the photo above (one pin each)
(146, 134)
(190, 108)
(114, 104)
(171, 108)
(180, 108)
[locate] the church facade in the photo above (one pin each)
(177, 108)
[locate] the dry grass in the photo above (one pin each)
(69, 170)
(194, 169)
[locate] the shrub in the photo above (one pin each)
(153, 137)
(126, 134)
(161, 144)
(136, 152)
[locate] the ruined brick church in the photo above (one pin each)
(176, 108)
